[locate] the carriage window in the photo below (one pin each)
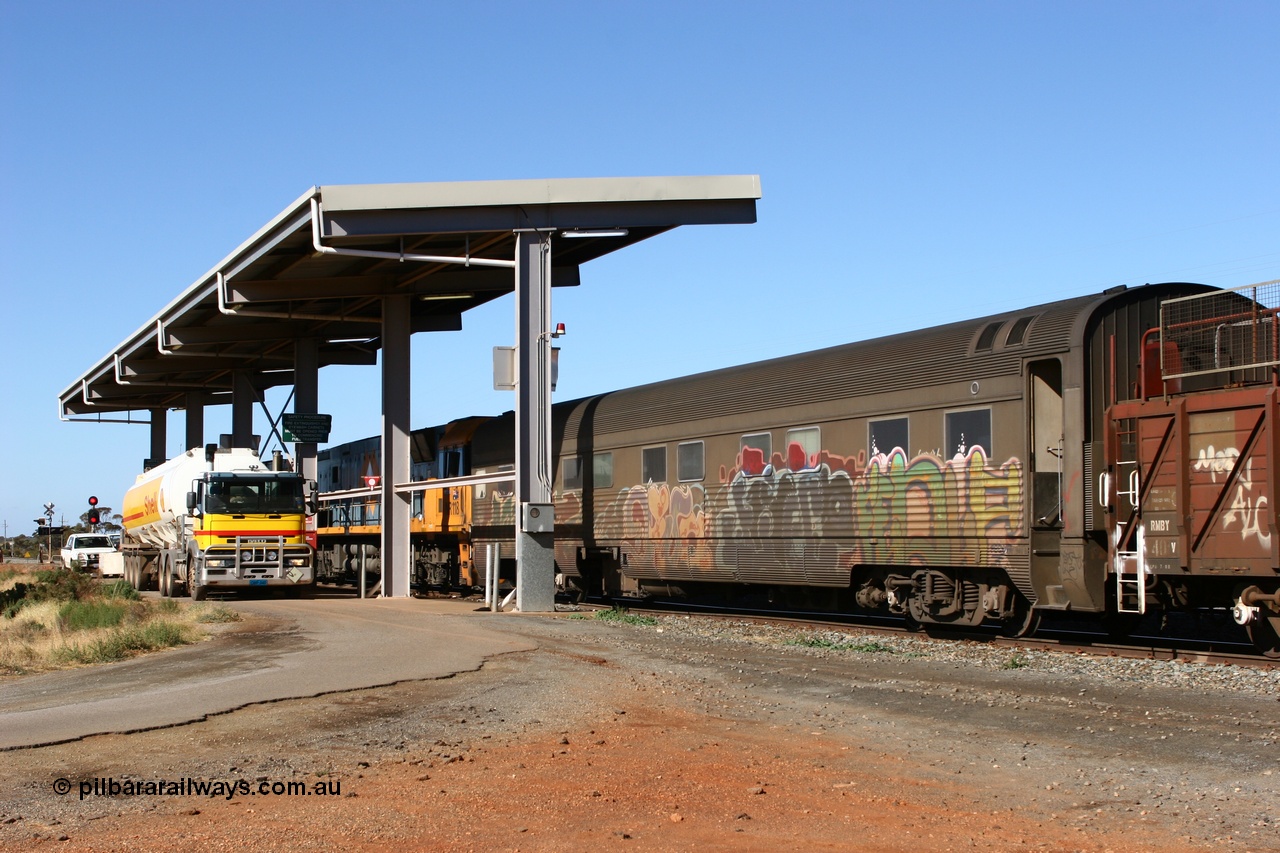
(886, 435)
(967, 430)
(803, 446)
(602, 471)
(690, 462)
(452, 462)
(653, 465)
(756, 451)
(572, 473)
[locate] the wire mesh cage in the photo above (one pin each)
(1226, 330)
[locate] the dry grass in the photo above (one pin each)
(53, 620)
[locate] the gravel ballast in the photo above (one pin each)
(677, 732)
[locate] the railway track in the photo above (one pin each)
(1063, 639)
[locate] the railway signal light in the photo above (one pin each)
(93, 509)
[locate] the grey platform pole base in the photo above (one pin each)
(535, 572)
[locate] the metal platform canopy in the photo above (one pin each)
(347, 270)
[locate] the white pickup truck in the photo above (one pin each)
(92, 552)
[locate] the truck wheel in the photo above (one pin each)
(197, 590)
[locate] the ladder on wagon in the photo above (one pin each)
(1131, 553)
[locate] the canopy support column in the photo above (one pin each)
(534, 533)
(242, 399)
(195, 420)
(159, 437)
(306, 399)
(395, 446)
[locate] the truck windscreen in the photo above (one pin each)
(243, 495)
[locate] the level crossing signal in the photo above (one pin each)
(93, 509)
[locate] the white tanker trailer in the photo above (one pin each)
(217, 519)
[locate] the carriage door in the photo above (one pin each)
(1045, 464)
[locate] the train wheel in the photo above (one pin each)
(1264, 632)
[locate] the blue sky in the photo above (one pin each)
(921, 162)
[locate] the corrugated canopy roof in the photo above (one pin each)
(286, 282)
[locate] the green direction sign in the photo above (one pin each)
(307, 428)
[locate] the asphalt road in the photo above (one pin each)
(284, 650)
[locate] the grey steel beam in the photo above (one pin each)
(149, 367)
(243, 396)
(472, 280)
(260, 330)
(336, 287)
(195, 420)
(534, 533)
(287, 330)
(159, 436)
(306, 399)
(113, 394)
(134, 403)
(395, 446)
(658, 215)
(349, 355)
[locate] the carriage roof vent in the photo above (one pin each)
(1018, 332)
(988, 337)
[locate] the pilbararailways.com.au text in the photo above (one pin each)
(216, 788)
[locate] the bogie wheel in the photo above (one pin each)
(162, 576)
(1264, 632)
(911, 622)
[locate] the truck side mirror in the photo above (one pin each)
(313, 505)
(192, 501)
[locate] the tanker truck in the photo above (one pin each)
(216, 519)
